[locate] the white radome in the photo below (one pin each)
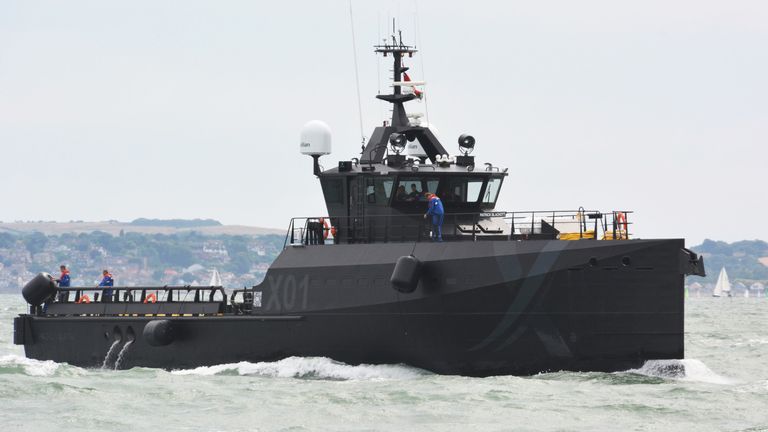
(414, 148)
(315, 138)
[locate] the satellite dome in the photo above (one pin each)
(315, 138)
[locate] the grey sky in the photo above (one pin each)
(118, 110)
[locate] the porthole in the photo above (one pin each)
(626, 261)
(593, 262)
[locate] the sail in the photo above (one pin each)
(758, 289)
(215, 278)
(723, 284)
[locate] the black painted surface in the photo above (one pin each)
(481, 308)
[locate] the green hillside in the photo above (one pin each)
(741, 259)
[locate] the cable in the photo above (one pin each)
(357, 76)
(378, 63)
(417, 31)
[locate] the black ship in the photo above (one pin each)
(504, 293)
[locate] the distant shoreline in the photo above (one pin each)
(115, 227)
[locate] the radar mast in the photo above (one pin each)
(376, 148)
(397, 49)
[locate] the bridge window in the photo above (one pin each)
(492, 190)
(462, 190)
(412, 189)
(379, 190)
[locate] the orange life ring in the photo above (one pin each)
(326, 228)
(151, 298)
(621, 219)
(84, 299)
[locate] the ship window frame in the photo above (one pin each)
(451, 183)
(487, 190)
(426, 183)
(374, 199)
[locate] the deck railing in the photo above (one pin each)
(121, 294)
(491, 225)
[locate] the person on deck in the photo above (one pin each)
(106, 281)
(64, 282)
(437, 212)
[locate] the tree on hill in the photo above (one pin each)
(36, 242)
(741, 259)
(175, 223)
(7, 240)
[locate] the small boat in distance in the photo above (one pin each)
(758, 288)
(215, 278)
(723, 286)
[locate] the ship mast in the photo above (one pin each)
(376, 148)
(397, 49)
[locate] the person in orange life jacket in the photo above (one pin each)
(64, 282)
(437, 212)
(107, 281)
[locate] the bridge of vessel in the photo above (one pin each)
(362, 194)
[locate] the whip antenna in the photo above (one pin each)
(417, 30)
(357, 77)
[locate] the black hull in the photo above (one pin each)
(481, 308)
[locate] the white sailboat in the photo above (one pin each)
(723, 287)
(215, 278)
(758, 288)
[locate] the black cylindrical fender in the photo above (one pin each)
(406, 275)
(39, 289)
(159, 332)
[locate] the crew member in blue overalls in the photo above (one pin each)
(64, 282)
(107, 281)
(435, 210)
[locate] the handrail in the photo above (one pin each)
(136, 288)
(128, 292)
(516, 222)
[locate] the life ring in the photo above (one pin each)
(326, 228)
(151, 298)
(621, 219)
(83, 299)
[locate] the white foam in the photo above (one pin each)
(684, 370)
(310, 367)
(30, 366)
(751, 342)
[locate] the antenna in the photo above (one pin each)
(357, 78)
(417, 30)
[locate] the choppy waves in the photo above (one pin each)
(310, 368)
(15, 364)
(323, 368)
(685, 370)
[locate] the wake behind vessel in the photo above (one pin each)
(504, 293)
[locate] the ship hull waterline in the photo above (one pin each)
(481, 308)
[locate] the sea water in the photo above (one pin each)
(722, 385)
